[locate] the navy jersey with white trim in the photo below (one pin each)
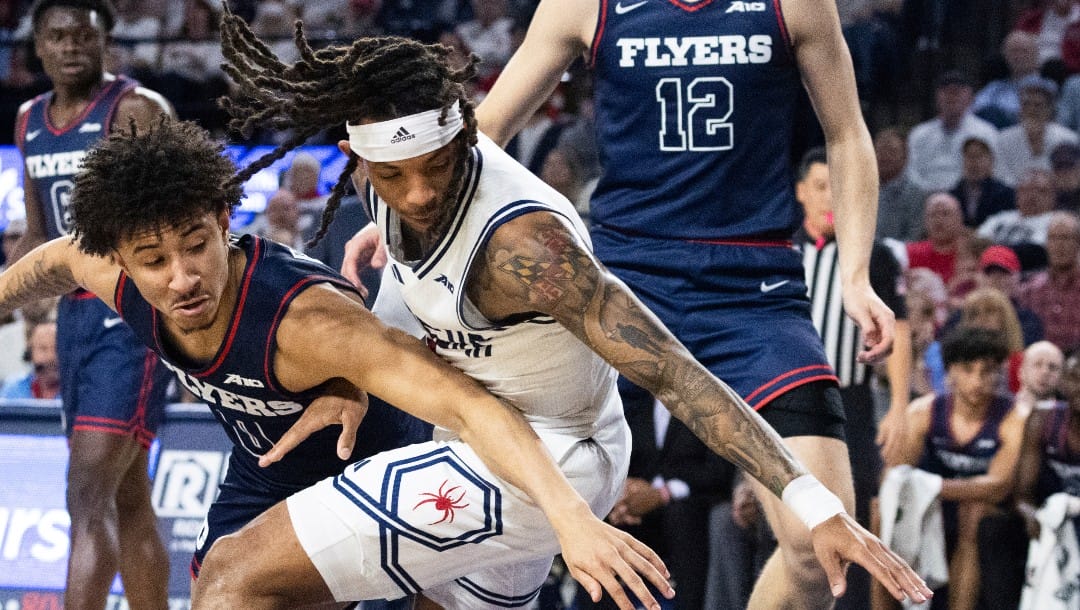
(943, 455)
(53, 156)
(239, 383)
(694, 111)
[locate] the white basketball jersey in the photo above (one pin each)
(558, 382)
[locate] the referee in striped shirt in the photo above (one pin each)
(843, 341)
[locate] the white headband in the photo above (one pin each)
(405, 137)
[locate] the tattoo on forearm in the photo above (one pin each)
(39, 281)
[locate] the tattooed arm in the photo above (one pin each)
(600, 310)
(55, 268)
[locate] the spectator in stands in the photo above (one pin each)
(1028, 143)
(1065, 163)
(302, 180)
(1048, 22)
(488, 34)
(900, 202)
(191, 75)
(43, 380)
(927, 306)
(999, 101)
(980, 194)
(999, 268)
(280, 221)
(934, 155)
(971, 437)
(136, 29)
(945, 235)
(1040, 374)
(1054, 294)
(273, 23)
(1027, 224)
(740, 542)
(564, 172)
(1050, 464)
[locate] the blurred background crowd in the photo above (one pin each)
(974, 107)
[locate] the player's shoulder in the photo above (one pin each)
(144, 103)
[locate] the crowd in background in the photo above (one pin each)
(974, 106)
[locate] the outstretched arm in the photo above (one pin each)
(604, 314)
(328, 334)
(53, 269)
(829, 78)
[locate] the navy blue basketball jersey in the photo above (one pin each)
(944, 456)
(694, 112)
(53, 155)
(239, 383)
(1060, 470)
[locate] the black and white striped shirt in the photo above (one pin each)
(842, 338)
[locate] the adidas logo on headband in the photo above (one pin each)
(401, 136)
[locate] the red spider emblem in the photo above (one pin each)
(443, 502)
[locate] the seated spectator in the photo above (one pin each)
(979, 193)
(1048, 21)
(1049, 464)
(280, 221)
(190, 68)
(740, 542)
(488, 34)
(302, 180)
(989, 309)
(945, 235)
(43, 380)
(1065, 163)
(1028, 143)
(1028, 223)
(1054, 294)
(934, 159)
(927, 306)
(971, 437)
(999, 101)
(900, 202)
(999, 268)
(1040, 373)
(136, 28)
(563, 171)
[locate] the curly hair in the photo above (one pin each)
(104, 8)
(373, 78)
(131, 183)
(968, 343)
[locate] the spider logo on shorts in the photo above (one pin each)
(443, 502)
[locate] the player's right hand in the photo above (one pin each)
(839, 541)
(346, 408)
(363, 251)
(599, 556)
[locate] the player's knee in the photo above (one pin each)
(221, 580)
(87, 497)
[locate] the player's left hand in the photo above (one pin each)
(839, 541)
(874, 317)
(599, 556)
(346, 406)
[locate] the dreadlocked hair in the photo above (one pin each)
(133, 182)
(104, 8)
(376, 79)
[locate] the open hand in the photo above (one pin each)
(344, 405)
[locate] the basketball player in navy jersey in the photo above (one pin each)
(497, 268)
(112, 387)
(694, 110)
(970, 436)
(258, 331)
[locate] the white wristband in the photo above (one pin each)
(811, 501)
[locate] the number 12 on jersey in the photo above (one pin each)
(695, 118)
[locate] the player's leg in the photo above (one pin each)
(98, 464)
(793, 577)
(964, 577)
(143, 558)
(113, 391)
